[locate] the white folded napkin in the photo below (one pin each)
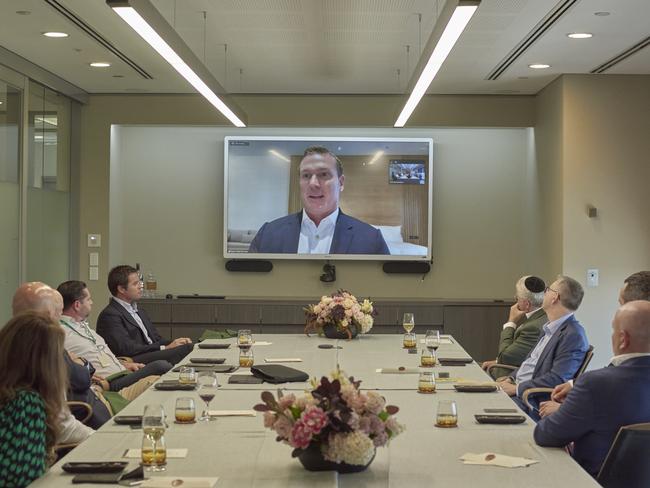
(171, 453)
(398, 370)
(283, 360)
(232, 413)
(443, 340)
(262, 343)
(173, 481)
(493, 459)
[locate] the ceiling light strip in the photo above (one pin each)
(538, 31)
(459, 19)
(142, 27)
(622, 56)
(79, 22)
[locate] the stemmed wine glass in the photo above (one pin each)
(207, 382)
(432, 339)
(154, 454)
(408, 322)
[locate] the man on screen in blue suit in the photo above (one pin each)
(321, 227)
(561, 348)
(604, 400)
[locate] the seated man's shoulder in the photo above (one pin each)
(357, 225)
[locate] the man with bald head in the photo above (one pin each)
(604, 400)
(39, 297)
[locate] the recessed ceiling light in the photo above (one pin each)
(601, 14)
(100, 65)
(55, 34)
(580, 35)
(539, 66)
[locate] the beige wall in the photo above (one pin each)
(300, 111)
(606, 164)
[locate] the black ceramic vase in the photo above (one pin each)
(330, 331)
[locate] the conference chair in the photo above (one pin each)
(626, 464)
(547, 391)
(62, 449)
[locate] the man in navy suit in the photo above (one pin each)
(129, 331)
(320, 228)
(561, 348)
(603, 400)
(635, 287)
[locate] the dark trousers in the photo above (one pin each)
(173, 355)
(157, 368)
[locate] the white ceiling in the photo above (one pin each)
(328, 46)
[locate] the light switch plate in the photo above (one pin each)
(94, 259)
(93, 273)
(94, 240)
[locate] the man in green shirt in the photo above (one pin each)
(524, 326)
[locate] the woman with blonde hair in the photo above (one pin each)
(33, 383)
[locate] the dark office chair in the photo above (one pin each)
(547, 391)
(626, 464)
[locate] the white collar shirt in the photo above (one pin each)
(317, 239)
(621, 358)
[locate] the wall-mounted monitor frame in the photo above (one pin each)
(262, 191)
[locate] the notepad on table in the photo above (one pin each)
(400, 370)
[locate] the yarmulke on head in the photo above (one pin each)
(534, 284)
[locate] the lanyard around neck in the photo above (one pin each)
(90, 337)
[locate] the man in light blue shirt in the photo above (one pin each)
(560, 350)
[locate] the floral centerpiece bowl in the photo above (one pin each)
(340, 316)
(334, 427)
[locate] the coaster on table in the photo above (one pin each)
(282, 360)
(171, 453)
(176, 481)
(232, 413)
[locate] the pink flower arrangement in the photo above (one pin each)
(343, 310)
(344, 422)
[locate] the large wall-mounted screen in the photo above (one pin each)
(328, 198)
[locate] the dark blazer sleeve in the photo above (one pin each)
(78, 375)
(122, 337)
(256, 243)
(574, 419)
(567, 357)
(515, 344)
(153, 332)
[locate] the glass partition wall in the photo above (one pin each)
(35, 129)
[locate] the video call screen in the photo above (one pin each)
(347, 198)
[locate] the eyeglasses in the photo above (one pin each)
(548, 288)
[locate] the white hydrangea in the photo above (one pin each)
(353, 448)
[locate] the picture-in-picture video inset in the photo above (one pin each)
(308, 198)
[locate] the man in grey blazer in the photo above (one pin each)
(561, 349)
(521, 332)
(320, 227)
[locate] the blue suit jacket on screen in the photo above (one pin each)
(598, 405)
(560, 359)
(351, 236)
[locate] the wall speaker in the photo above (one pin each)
(416, 267)
(249, 265)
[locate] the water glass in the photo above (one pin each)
(428, 358)
(427, 382)
(246, 358)
(447, 415)
(187, 375)
(185, 411)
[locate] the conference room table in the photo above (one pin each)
(240, 452)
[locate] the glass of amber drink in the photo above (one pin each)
(185, 411)
(447, 415)
(426, 382)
